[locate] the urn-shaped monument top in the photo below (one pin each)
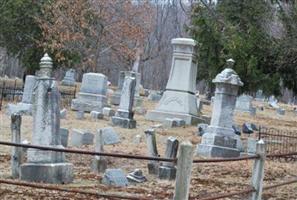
(46, 65)
(228, 75)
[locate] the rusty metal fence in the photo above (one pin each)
(279, 142)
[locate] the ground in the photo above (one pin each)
(207, 179)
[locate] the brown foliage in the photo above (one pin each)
(91, 28)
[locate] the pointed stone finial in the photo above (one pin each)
(46, 65)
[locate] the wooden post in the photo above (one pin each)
(258, 171)
(184, 168)
(16, 154)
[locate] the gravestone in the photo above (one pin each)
(95, 115)
(260, 96)
(168, 170)
(220, 139)
(124, 114)
(155, 96)
(272, 102)
(280, 111)
(115, 177)
(92, 94)
(244, 104)
(116, 97)
(46, 166)
(108, 112)
(99, 163)
(153, 166)
(80, 114)
(179, 98)
(81, 137)
(109, 135)
(69, 78)
(25, 106)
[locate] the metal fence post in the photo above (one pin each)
(16, 154)
(258, 171)
(184, 168)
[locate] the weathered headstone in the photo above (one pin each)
(116, 97)
(99, 163)
(220, 139)
(153, 166)
(95, 115)
(168, 170)
(80, 114)
(92, 94)
(179, 98)
(244, 104)
(108, 112)
(46, 166)
(137, 139)
(174, 122)
(109, 135)
(124, 115)
(115, 177)
(25, 106)
(16, 152)
(272, 102)
(260, 96)
(69, 78)
(154, 96)
(81, 137)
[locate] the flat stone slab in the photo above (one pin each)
(81, 137)
(56, 173)
(109, 136)
(115, 177)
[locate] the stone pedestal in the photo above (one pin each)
(46, 166)
(92, 95)
(220, 139)
(124, 115)
(179, 98)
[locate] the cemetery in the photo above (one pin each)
(93, 122)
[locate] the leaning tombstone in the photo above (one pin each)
(153, 166)
(168, 170)
(179, 98)
(92, 94)
(46, 166)
(124, 115)
(25, 106)
(69, 78)
(99, 163)
(220, 139)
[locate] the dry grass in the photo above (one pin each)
(206, 178)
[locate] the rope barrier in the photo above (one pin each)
(93, 153)
(84, 192)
